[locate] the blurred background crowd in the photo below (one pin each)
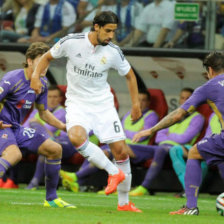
(147, 23)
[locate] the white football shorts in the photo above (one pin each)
(105, 123)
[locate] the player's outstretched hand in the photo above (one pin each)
(136, 112)
(141, 134)
(63, 127)
(3, 126)
(36, 85)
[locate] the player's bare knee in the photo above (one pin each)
(119, 151)
(12, 154)
(193, 153)
(77, 138)
(17, 155)
(56, 153)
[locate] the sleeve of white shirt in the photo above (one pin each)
(69, 14)
(39, 16)
(140, 23)
(59, 50)
(90, 16)
(120, 63)
(168, 20)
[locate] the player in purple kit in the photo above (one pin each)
(210, 148)
(16, 99)
(34, 121)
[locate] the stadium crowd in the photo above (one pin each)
(148, 23)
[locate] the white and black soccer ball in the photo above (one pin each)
(220, 204)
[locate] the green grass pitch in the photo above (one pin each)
(26, 207)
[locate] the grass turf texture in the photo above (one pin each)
(20, 206)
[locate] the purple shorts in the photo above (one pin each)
(25, 138)
(212, 148)
(68, 150)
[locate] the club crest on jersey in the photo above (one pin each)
(57, 46)
(5, 136)
(19, 105)
(7, 82)
(103, 60)
(1, 90)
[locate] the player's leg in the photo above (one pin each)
(72, 180)
(120, 152)
(36, 142)
(157, 164)
(193, 179)
(78, 137)
(178, 162)
(10, 156)
(141, 153)
(80, 119)
(12, 180)
(53, 152)
(10, 153)
(39, 173)
(221, 170)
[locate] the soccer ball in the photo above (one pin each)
(220, 204)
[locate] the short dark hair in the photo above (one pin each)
(215, 60)
(35, 49)
(188, 89)
(105, 17)
(55, 87)
(146, 92)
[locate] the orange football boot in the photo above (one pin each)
(130, 207)
(113, 181)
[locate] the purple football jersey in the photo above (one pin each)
(17, 98)
(211, 92)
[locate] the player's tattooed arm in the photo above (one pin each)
(167, 121)
(170, 119)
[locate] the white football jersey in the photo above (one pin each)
(87, 68)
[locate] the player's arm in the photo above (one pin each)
(197, 98)
(133, 90)
(167, 121)
(49, 118)
(41, 68)
(161, 37)
(3, 126)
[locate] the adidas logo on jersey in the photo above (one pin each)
(79, 55)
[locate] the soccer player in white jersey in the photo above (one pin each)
(89, 104)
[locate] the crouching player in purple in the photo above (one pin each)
(16, 99)
(54, 99)
(211, 148)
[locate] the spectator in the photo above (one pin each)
(189, 34)
(52, 21)
(128, 12)
(24, 12)
(156, 21)
(85, 6)
(105, 5)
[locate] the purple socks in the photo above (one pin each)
(193, 179)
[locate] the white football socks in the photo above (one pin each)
(125, 186)
(96, 156)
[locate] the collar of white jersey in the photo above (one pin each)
(90, 45)
(88, 41)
